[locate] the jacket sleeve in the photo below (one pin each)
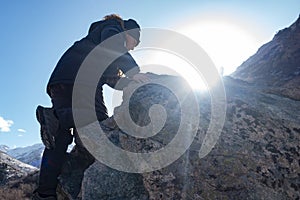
(116, 82)
(127, 65)
(125, 62)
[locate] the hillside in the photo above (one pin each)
(15, 174)
(276, 65)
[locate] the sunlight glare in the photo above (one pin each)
(172, 65)
(226, 43)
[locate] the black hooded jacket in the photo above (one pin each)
(67, 67)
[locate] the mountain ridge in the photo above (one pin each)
(276, 65)
(30, 155)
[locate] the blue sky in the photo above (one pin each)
(35, 34)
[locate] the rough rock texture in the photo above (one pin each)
(256, 157)
(276, 65)
(102, 182)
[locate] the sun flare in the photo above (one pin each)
(227, 44)
(163, 62)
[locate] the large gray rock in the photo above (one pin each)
(102, 182)
(256, 157)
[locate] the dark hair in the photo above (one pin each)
(130, 26)
(133, 29)
(117, 17)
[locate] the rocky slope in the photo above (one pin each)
(12, 169)
(17, 179)
(276, 65)
(256, 156)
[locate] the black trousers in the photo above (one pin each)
(53, 159)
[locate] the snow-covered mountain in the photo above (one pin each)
(4, 148)
(30, 155)
(12, 169)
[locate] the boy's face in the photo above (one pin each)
(131, 43)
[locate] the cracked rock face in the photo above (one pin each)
(256, 156)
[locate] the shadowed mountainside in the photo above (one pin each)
(276, 65)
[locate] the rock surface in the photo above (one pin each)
(256, 157)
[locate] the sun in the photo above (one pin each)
(227, 43)
(165, 62)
